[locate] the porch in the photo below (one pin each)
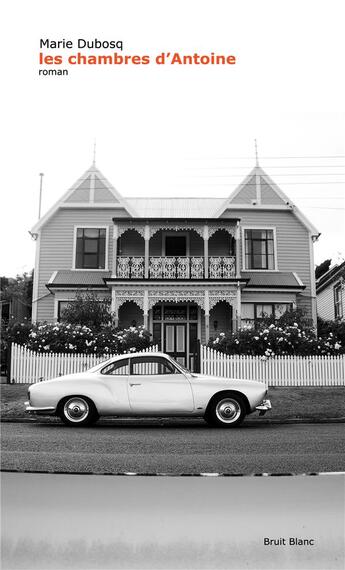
(170, 267)
(176, 250)
(180, 317)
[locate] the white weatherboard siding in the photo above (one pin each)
(56, 251)
(325, 304)
(292, 245)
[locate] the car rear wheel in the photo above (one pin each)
(77, 411)
(226, 411)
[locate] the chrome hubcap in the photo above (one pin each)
(76, 409)
(228, 410)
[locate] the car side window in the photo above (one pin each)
(120, 367)
(152, 365)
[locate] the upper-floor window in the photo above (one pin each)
(90, 248)
(259, 249)
(338, 304)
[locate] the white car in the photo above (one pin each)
(151, 384)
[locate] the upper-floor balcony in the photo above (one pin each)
(176, 267)
(176, 249)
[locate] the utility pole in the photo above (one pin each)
(40, 199)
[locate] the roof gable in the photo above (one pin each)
(259, 191)
(92, 189)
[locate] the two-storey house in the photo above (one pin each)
(186, 268)
(330, 294)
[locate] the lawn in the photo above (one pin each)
(287, 403)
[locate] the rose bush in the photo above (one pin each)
(76, 339)
(274, 340)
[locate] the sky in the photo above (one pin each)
(175, 130)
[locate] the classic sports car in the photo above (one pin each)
(150, 384)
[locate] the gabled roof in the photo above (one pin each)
(335, 273)
(258, 191)
(92, 189)
(176, 207)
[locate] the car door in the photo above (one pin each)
(156, 386)
(115, 377)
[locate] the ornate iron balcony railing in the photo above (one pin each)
(181, 267)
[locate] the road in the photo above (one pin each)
(175, 447)
(74, 521)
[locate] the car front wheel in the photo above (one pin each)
(226, 411)
(77, 411)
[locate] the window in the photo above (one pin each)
(90, 248)
(259, 249)
(253, 313)
(120, 367)
(62, 305)
(338, 304)
(175, 245)
(152, 365)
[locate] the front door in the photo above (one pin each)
(175, 341)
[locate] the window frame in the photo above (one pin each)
(158, 357)
(338, 305)
(176, 234)
(106, 255)
(256, 320)
(275, 255)
(122, 360)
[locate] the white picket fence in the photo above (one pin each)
(28, 367)
(278, 370)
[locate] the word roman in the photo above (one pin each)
(292, 541)
(68, 44)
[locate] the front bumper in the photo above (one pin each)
(46, 411)
(264, 407)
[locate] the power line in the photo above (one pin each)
(263, 157)
(284, 183)
(320, 197)
(276, 174)
(271, 166)
(323, 208)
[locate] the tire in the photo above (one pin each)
(226, 411)
(77, 411)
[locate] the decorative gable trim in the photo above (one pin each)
(92, 172)
(287, 204)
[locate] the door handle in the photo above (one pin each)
(135, 384)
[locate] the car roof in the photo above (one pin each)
(139, 354)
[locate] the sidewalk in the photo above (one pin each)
(289, 405)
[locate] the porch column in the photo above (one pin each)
(146, 309)
(114, 308)
(207, 316)
(147, 250)
(238, 300)
(115, 240)
(206, 251)
(238, 250)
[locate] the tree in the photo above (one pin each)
(18, 293)
(87, 309)
(322, 268)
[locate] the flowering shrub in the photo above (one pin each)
(275, 340)
(68, 338)
(87, 309)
